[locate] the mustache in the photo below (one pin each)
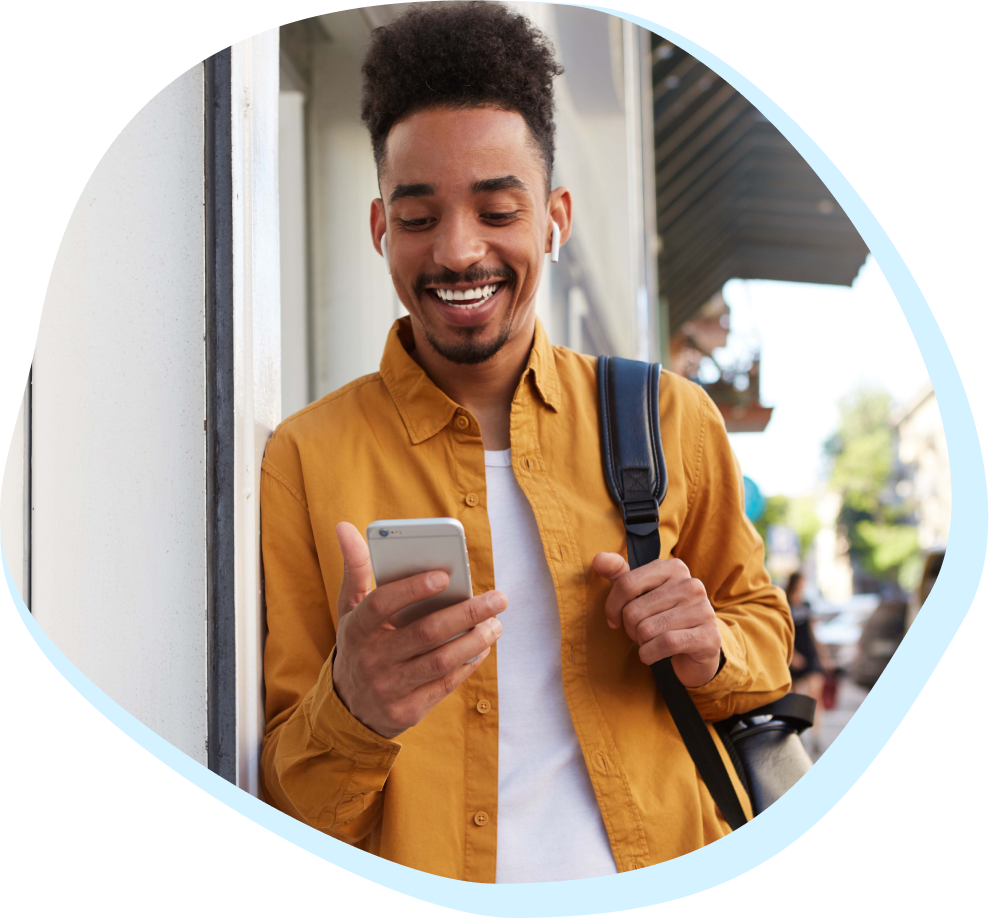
(475, 274)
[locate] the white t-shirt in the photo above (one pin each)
(549, 822)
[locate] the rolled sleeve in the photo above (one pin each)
(318, 762)
(723, 550)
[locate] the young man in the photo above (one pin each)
(535, 746)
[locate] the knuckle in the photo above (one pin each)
(679, 568)
(625, 586)
(425, 631)
(449, 683)
(373, 603)
(398, 714)
(475, 614)
(647, 629)
(439, 664)
(697, 588)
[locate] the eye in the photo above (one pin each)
(500, 217)
(417, 223)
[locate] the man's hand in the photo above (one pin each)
(666, 612)
(390, 678)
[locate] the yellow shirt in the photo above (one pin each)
(392, 445)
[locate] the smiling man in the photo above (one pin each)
(517, 736)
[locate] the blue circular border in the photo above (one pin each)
(841, 765)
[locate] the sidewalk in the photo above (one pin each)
(849, 697)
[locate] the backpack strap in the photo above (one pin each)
(635, 470)
(632, 449)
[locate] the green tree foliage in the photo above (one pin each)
(777, 508)
(796, 513)
(881, 538)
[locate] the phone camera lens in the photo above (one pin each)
(382, 532)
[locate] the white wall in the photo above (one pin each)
(14, 510)
(118, 477)
(257, 386)
(292, 211)
(354, 303)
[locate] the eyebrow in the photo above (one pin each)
(424, 190)
(502, 183)
(415, 190)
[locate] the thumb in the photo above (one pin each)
(358, 576)
(610, 565)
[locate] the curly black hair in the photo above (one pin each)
(459, 56)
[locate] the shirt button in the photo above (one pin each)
(483, 707)
(481, 818)
(462, 422)
(472, 499)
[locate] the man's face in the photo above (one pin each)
(465, 207)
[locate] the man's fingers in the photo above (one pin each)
(680, 618)
(671, 643)
(684, 598)
(438, 627)
(358, 576)
(386, 600)
(448, 659)
(611, 566)
(432, 693)
(632, 584)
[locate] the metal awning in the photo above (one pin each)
(734, 198)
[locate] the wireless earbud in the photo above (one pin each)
(554, 252)
(384, 253)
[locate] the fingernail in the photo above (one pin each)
(495, 626)
(498, 602)
(435, 580)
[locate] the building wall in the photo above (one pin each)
(14, 510)
(353, 300)
(118, 415)
(923, 452)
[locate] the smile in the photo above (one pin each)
(466, 299)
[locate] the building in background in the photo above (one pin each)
(734, 199)
(923, 475)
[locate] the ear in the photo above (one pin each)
(561, 212)
(378, 224)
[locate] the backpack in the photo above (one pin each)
(764, 745)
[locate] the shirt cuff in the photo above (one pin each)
(730, 676)
(335, 727)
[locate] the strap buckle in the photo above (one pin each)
(641, 516)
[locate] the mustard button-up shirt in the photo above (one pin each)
(392, 445)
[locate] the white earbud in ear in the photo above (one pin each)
(384, 253)
(554, 252)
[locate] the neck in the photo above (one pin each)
(485, 389)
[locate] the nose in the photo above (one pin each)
(458, 243)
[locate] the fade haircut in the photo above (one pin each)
(460, 55)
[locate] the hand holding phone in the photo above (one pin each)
(390, 668)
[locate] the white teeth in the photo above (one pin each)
(481, 294)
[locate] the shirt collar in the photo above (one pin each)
(424, 408)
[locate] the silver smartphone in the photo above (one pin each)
(401, 548)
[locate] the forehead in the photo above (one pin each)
(452, 148)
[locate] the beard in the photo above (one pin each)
(469, 350)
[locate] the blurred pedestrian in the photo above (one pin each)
(810, 660)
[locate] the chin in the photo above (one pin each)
(469, 345)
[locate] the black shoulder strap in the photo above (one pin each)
(635, 469)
